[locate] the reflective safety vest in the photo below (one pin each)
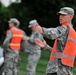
(16, 39)
(68, 55)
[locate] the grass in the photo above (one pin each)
(41, 67)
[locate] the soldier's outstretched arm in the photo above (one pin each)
(53, 33)
(23, 42)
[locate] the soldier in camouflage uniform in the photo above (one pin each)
(56, 67)
(11, 64)
(34, 51)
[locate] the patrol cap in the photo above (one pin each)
(32, 23)
(66, 10)
(14, 20)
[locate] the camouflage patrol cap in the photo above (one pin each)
(14, 20)
(66, 10)
(32, 23)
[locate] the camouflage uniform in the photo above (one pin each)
(34, 52)
(11, 64)
(56, 67)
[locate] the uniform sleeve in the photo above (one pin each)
(53, 33)
(23, 42)
(25, 37)
(48, 48)
(7, 39)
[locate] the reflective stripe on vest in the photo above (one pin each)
(15, 35)
(72, 39)
(14, 44)
(61, 55)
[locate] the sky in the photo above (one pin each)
(7, 2)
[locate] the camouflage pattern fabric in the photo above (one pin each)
(33, 59)
(11, 64)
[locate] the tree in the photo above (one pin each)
(42, 10)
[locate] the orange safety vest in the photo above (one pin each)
(68, 55)
(16, 39)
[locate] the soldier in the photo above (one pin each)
(12, 44)
(64, 49)
(34, 51)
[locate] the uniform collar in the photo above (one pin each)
(67, 24)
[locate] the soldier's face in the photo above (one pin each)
(37, 28)
(65, 18)
(11, 25)
(33, 28)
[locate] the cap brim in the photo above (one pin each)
(9, 21)
(61, 12)
(31, 25)
(13, 22)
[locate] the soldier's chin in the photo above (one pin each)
(61, 23)
(10, 27)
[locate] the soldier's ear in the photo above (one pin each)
(37, 24)
(71, 16)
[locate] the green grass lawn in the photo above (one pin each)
(41, 67)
